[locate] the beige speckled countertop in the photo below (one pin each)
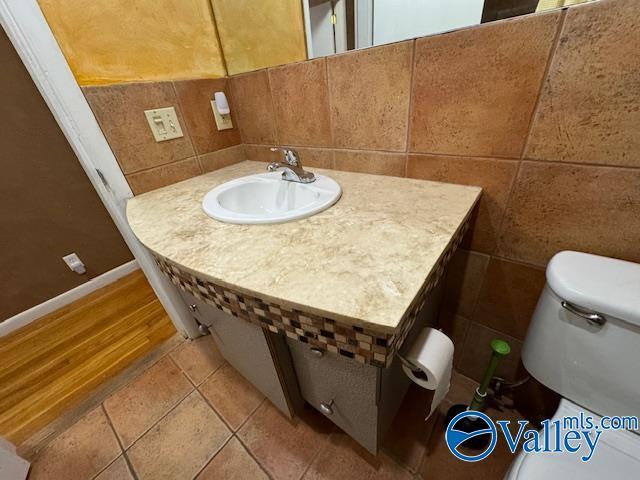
(361, 262)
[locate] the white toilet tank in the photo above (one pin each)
(595, 366)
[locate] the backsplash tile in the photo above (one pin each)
(475, 90)
(378, 163)
(494, 176)
(301, 102)
(463, 282)
(570, 207)
(195, 102)
(262, 153)
(313, 157)
(141, 182)
(508, 297)
(370, 97)
(477, 352)
(254, 107)
(221, 158)
(120, 111)
(589, 107)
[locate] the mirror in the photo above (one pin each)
(335, 26)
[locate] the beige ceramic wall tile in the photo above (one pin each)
(589, 111)
(261, 153)
(181, 444)
(222, 158)
(558, 207)
(301, 102)
(455, 327)
(158, 177)
(475, 89)
(465, 274)
(477, 352)
(140, 404)
(377, 163)
(120, 111)
(233, 463)
(254, 108)
(370, 92)
(509, 296)
(494, 176)
(80, 452)
(284, 448)
(195, 101)
(313, 157)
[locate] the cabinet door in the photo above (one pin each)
(246, 347)
(349, 389)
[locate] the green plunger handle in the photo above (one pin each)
(500, 349)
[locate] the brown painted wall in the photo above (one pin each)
(48, 207)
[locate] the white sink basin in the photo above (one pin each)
(266, 198)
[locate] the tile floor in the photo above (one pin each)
(192, 416)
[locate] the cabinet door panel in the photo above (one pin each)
(245, 346)
(351, 386)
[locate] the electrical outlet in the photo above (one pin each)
(164, 123)
(223, 122)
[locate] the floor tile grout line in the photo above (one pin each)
(320, 450)
(173, 407)
(210, 405)
(206, 464)
(256, 459)
(133, 380)
(122, 449)
(246, 449)
(264, 399)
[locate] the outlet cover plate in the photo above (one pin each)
(223, 122)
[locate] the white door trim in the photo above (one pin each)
(31, 36)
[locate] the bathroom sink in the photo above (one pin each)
(267, 198)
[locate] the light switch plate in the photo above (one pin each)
(164, 123)
(223, 122)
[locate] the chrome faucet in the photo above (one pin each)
(293, 171)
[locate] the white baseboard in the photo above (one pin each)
(28, 316)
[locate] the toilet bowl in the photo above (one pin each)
(584, 343)
(617, 457)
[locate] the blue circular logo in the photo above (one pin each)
(456, 434)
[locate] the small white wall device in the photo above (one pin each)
(221, 111)
(74, 263)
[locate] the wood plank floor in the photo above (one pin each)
(52, 364)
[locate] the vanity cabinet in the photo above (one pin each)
(251, 350)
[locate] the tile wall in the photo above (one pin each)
(541, 111)
(148, 164)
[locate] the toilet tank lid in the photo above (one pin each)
(604, 285)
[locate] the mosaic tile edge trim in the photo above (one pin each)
(358, 343)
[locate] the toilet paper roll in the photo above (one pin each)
(429, 363)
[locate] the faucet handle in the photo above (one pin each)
(290, 155)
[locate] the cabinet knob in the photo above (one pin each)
(193, 307)
(327, 408)
(317, 352)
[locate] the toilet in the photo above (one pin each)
(584, 343)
